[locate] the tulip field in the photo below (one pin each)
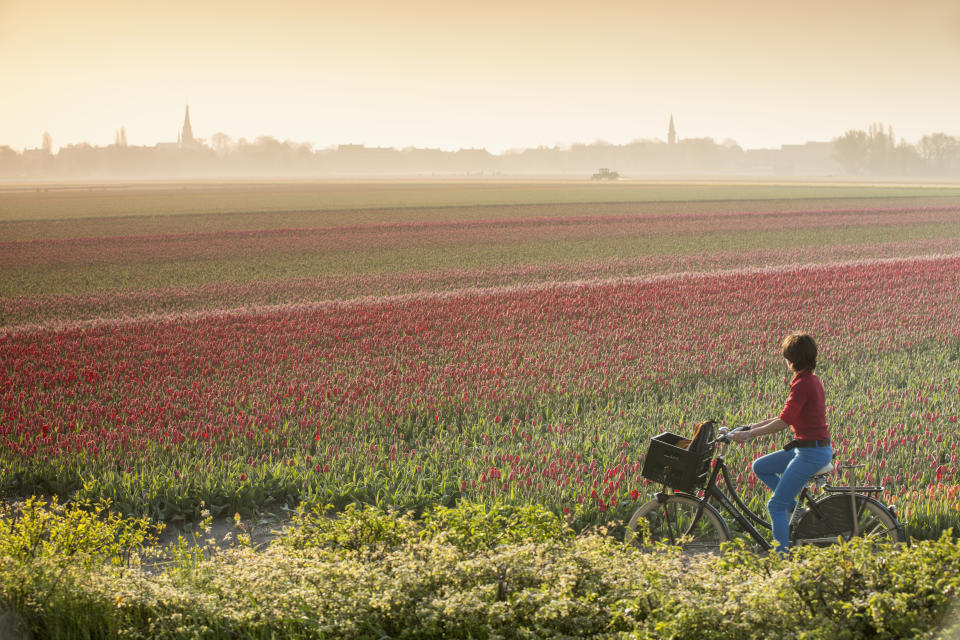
(521, 352)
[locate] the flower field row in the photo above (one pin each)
(55, 309)
(542, 394)
(31, 269)
(390, 236)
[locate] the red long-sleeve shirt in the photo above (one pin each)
(805, 410)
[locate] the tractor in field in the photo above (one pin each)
(605, 174)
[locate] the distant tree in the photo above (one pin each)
(853, 150)
(906, 159)
(221, 143)
(880, 156)
(9, 160)
(875, 151)
(268, 148)
(700, 154)
(940, 151)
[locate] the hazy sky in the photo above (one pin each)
(495, 74)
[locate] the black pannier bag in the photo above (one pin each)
(680, 463)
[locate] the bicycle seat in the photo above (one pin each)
(822, 471)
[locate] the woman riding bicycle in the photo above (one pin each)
(786, 472)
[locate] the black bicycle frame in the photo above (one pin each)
(736, 508)
(741, 505)
(712, 490)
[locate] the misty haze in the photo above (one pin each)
(874, 152)
(435, 320)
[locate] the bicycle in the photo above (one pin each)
(681, 513)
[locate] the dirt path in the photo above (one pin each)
(225, 533)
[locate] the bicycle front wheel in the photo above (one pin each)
(677, 520)
(838, 517)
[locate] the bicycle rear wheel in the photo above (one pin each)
(677, 520)
(832, 519)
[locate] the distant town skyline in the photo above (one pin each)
(497, 75)
(874, 151)
(185, 137)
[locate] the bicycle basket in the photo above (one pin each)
(669, 462)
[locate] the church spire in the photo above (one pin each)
(671, 132)
(186, 136)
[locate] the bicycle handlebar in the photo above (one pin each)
(723, 432)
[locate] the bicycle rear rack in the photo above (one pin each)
(821, 482)
(829, 488)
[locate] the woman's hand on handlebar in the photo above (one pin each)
(740, 434)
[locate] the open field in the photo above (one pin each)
(412, 355)
(62, 269)
(535, 394)
(492, 358)
(79, 201)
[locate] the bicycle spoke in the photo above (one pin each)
(878, 529)
(677, 520)
(832, 518)
(673, 538)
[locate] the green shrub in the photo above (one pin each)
(79, 531)
(359, 528)
(48, 553)
(477, 526)
(480, 572)
(859, 590)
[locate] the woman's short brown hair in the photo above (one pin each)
(800, 350)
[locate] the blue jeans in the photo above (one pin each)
(786, 473)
